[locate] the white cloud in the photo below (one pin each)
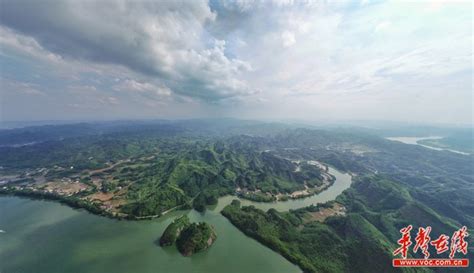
(109, 100)
(26, 45)
(164, 40)
(288, 38)
(381, 26)
(25, 88)
(248, 57)
(142, 87)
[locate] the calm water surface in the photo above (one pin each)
(44, 236)
(414, 141)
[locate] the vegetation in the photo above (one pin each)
(195, 238)
(377, 208)
(189, 237)
(204, 199)
(144, 170)
(258, 197)
(159, 167)
(72, 201)
(172, 232)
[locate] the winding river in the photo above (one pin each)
(44, 236)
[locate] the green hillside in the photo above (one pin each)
(376, 209)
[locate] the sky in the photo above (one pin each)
(408, 61)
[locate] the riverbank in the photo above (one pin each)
(327, 180)
(77, 203)
(234, 213)
(233, 248)
(72, 202)
(320, 238)
(282, 197)
(340, 182)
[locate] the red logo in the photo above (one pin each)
(458, 244)
(422, 240)
(404, 242)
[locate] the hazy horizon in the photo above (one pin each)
(279, 60)
(368, 124)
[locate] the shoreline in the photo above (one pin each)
(289, 197)
(76, 203)
(94, 208)
(328, 181)
(291, 258)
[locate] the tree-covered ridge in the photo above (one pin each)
(173, 230)
(195, 238)
(376, 210)
(146, 169)
(199, 175)
(147, 173)
(158, 167)
(189, 237)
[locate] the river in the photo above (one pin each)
(44, 236)
(414, 141)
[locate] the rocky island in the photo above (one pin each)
(189, 237)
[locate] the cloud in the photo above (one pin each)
(109, 100)
(25, 44)
(255, 58)
(381, 26)
(288, 38)
(142, 87)
(163, 40)
(25, 88)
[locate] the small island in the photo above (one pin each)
(172, 232)
(189, 237)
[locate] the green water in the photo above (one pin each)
(44, 236)
(343, 181)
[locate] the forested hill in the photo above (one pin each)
(362, 240)
(163, 163)
(146, 169)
